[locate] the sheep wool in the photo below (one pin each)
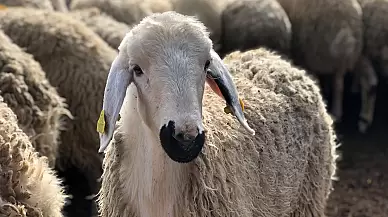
(286, 169)
(326, 40)
(28, 187)
(207, 11)
(247, 24)
(38, 106)
(110, 30)
(126, 11)
(76, 61)
(60, 5)
(40, 4)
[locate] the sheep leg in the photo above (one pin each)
(368, 81)
(338, 90)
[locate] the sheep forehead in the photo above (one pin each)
(163, 34)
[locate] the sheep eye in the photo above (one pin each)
(137, 70)
(207, 64)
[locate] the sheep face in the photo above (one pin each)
(168, 57)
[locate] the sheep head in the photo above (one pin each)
(168, 57)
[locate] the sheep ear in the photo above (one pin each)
(119, 78)
(221, 82)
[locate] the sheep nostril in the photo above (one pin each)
(185, 138)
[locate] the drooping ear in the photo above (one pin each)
(119, 77)
(221, 82)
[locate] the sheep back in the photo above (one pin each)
(126, 11)
(40, 4)
(110, 30)
(77, 62)
(327, 34)
(375, 28)
(247, 24)
(28, 187)
(286, 169)
(38, 106)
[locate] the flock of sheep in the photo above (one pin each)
(173, 151)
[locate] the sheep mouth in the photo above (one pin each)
(177, 151)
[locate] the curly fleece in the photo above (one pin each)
(25, 88)
(286, 169)
(76, 61)
(28, 187)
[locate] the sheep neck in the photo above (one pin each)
(151, 180)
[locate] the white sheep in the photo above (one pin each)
(326, 40)
(28, 186)
(248, 24)
(157, 164)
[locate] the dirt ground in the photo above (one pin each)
(362, 188)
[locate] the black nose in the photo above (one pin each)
(182, 146)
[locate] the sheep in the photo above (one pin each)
(207, 11)
(375, 50)
(247, 24)
(156, 164)
(126, 11)
(76, 61)
(28, 186)
(104, 25)
(59, 5)
(38, 106)
(40, 4)
(326, 40)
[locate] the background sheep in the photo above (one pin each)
(76, 61)
(285, 170)
(26, 90)
(41, 4)
(207, 11)
(247, 24)
(375, 51)
(104, 25)
(126, 11)
(28, 187)
(60, 5)
(326, 39)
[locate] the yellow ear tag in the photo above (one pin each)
(3, 7)
(101, 122)
(241, 104)
(227, 110)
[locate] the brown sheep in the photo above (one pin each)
(27, 91)
(76, 61)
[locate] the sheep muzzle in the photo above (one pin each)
(181, 146)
